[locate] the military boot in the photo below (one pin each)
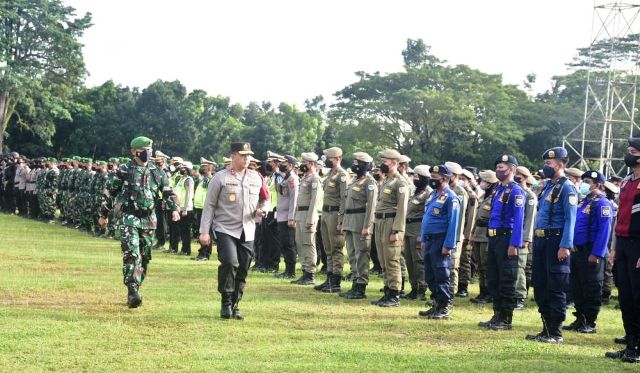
(442, 312)
(393, 299)
(428, 312)
(554, 332)
(412, 295)
(358, 292)
(422, 293)
(383, 298)
(589, 326)
(322, 286)
(462, 291)
(307, 279)
(134, 300)
(401, 292)
(578, 323)
(334, 286)
(235, 311)
(487, 324)
(544, 332)
(348, 292)
(504, 321)
(226, 305)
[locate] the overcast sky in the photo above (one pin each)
(289, 51)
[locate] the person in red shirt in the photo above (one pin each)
(626, 257)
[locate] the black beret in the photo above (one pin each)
(506, 158)
(634, 142)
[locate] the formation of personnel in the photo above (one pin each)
(559, 230)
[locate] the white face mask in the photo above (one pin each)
(461, 183)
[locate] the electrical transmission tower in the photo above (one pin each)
(600, 141)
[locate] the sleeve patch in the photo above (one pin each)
(605, 212)
(519, 201)
(371, 187)
(455, 204)
(573, 199)
(401, 190)
(532, 202)
(343, 179)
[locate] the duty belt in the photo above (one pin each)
(414, 220)
(499, 232)
(541, 233)
(482, 223)
(303, 208)
(138, 213)
(327, 208)
(385, 215)
(355, 211)
(586, 247)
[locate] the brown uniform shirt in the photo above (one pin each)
(393, 197)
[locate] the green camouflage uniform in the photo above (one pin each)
(63, 193)
(47, 194)
(73, 196)
(134, 189)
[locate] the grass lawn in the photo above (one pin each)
(63, 308)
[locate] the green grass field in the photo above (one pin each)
(63, 308)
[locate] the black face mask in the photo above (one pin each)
(631, 160)
(435, 184)
(282, 168)
(143, 155)
(376, 177)
(183, 172)
(421, 183)
(517, 179)
(384, 168)
(268, 167)
(110, 167)
(328, 163)
(304, 168)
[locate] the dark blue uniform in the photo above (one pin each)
(439, 227)
(555, 223)
(505, 229)
(591, 236)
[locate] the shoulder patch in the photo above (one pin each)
(371, 187)
(455, 203)
(605, 211)
(314, 185)
(531, 202)
(519, 201)
(401, 190)
(343, 179)
(573, 199)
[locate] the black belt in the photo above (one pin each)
(541, 233)
(355, 211)
(414, 220)
(433, 236)
(586, 247)
(494, 232)
(385, 215)
(326, 208)
(482, 224)
(303, 208)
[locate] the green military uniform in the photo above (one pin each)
(309, 199)
(48, 194)
(390, 218)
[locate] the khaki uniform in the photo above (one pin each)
(309, 198)
(465, 254)
(391, 214)
(524, 255)
(412, 189)
(412, 251)
(360, 206)
(335, 192)
(455, 256)
(480, 241)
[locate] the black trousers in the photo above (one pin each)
(205, 250)
(183, 233)
(11, 198)
(258, 243)
(286, 240)
(235, 256)
(502, 273)
(550, 278)
(628, 282)
(586, 283)
(161, 227)
(271, 242)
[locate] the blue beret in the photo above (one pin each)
(506, 159)
(556, 153)
(595, 176)
(440, 170)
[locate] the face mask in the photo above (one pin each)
(535, 186)
(548, 171)
(484, 185)
(517, 179)
(435, 184)
(502, 175)
(268, 167)
(328, 163)
(384, 168)
(461, 183)
(304, 168)
(172, 168)
(631, 160)
(143, 155)
(421, 183)
(376, 177)
(282, 168)
(183, 172)
(585, 189)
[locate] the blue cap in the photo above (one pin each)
(291, 159)
(556, 153)
(506, 158)
(595, 176)
(634, 142)
(441, 170)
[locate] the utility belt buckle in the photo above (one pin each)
(540, 233)
(492, 232)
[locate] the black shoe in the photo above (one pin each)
(427, 313)
(587, 329)
(226, 310)
(442, 312)
(412, 295)
(383, 298)
(462, 293)
(578, 323)
(334, 285)
(392, 300)
(134, 300)
(307, 279)
(482, 299)
(519, 305)
(487, 324)
(533, 337)
(182, 253)
(357, 292)
(503, 321)
(631, 356)
(550, 339)
(616, 354)
(320, 287)
(620, 340)
(236, 314)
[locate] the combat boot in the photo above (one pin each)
(544, 332)
(421, 293)
(334, 286)
(289, 272)
(348, 293)
(226, 306)
(383, 298)
(307, 279)
(428, 312)
(487, 324)
(442, 312)
(554, 333)
(358, 292)
(519, 304)
(134, 300)
(462, 291)
(327, 282)
(401, 293)
(578, 323)
(393, 299)
(235, 311)
(412, 295)
(503, 322)
(589, 326)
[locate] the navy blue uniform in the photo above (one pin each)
(505, 229)
(439, 227)
(555, 223)
(592, 231)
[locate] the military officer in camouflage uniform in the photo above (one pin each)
(98, 194)
(134, 189)
(360, 207)
(391, 214)
(335, 191)
(306, 218)
(49, 190)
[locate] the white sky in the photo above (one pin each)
(280, 50)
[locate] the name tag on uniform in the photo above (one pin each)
(331, 184)
(415, 202)
(486, 208)
(386, 191)
(356, 189)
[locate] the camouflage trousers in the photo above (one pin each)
(136, 253)
(47, 201)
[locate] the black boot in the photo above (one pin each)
(430, 311)
(589, 326)
(421, 293)
(554, 332)
(226, 306)
(334, 286)
(358, 292)
(578, 323)
(620, 340)
(322, 286)
(504, 321)
(307, 279)
(412, 295)
(393, 299)
(235, 311)
(462, 291)
(629, 355)
(402, 286)
(482, 298)
(442, 312)
(383, 298)
(519, 304)
(349, 292)
(544, 332)
(289, 272)
(134, 300)
(491, 321)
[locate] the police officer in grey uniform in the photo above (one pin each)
(286, 213)
(235, 197)
(360, 206)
